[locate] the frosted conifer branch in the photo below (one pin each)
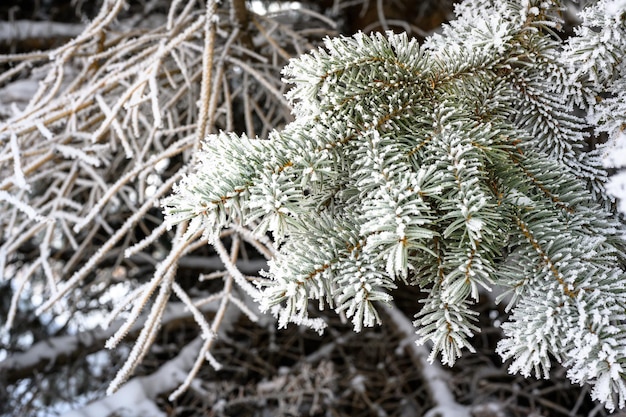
(454, 166)
(595, 56)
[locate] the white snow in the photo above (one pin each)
(27, 29)
(615, 7)
(615, 157)
(265, 7)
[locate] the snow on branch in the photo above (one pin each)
(61, 349)
(20, 30)
(138, 395)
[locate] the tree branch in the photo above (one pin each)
(65, 349)
(138, 394)
(240, 18)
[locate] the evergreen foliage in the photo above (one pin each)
(596, 55)
(458, 165)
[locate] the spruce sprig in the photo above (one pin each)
(455, 167)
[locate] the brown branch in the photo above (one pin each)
(240, 18)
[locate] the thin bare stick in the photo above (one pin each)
(207, 71)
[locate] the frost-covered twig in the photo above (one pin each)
(101, 129)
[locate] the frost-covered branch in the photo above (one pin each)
(598, 55)
(456, 165)
(95, 132)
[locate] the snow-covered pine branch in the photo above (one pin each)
(457, 165)
(596, 56)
